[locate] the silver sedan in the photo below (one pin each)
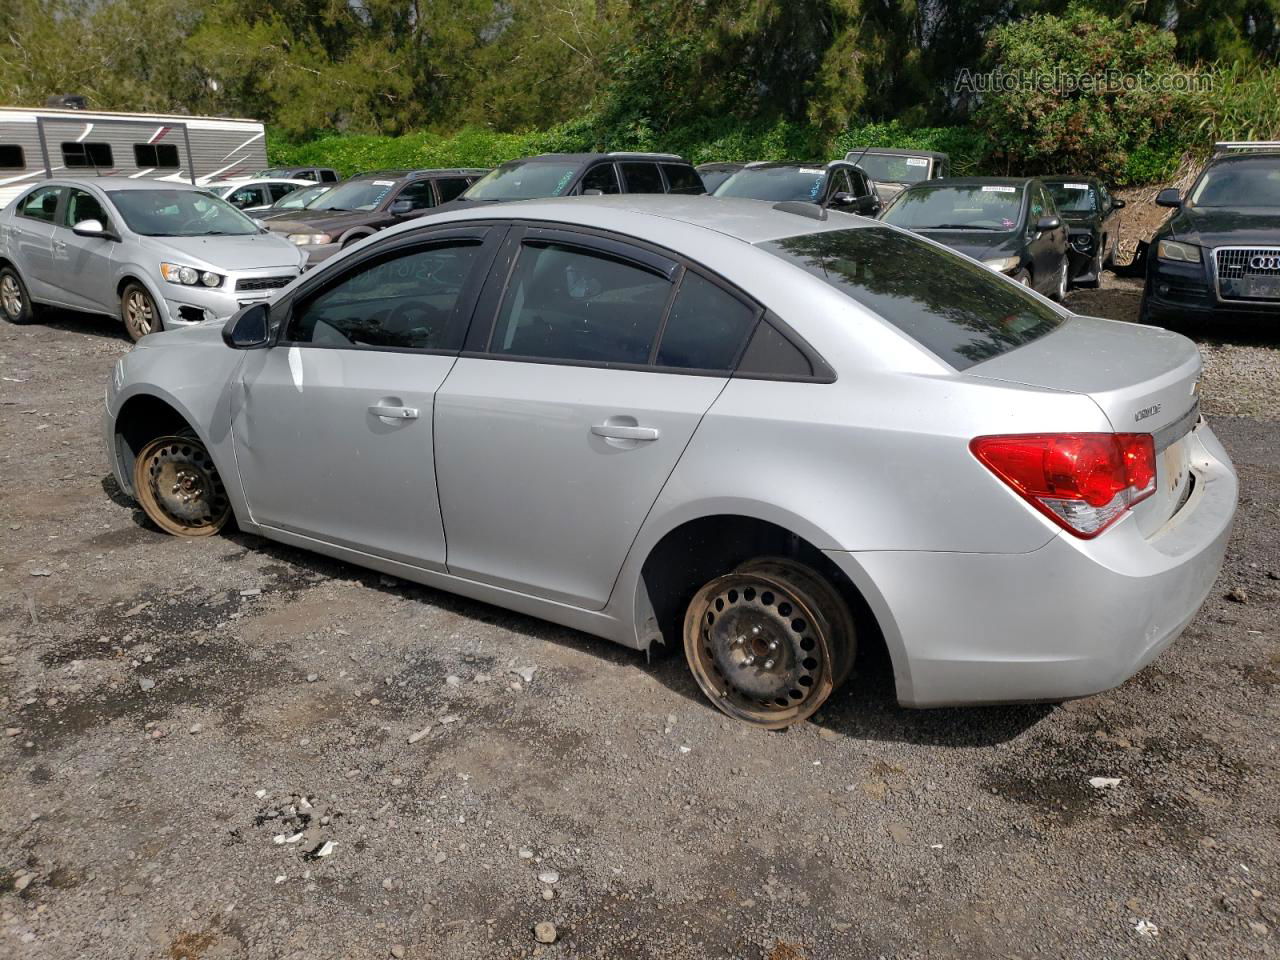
(766, 437)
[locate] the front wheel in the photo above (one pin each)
(769, 642)
(178, 487)
(138, 311)
(14, 300)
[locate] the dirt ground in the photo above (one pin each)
(207, 754)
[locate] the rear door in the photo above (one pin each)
(333, 425)
(558, 427)
(31, 238)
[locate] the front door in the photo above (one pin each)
(333, 425)
(557, 433)
(84, 263)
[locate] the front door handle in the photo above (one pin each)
(620, 431)
(394, 413)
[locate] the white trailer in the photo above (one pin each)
(37, 142)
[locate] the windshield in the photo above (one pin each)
(711, 179)
(528, 180)
(300, 198)
(1073, 197)
(949, 304)
(1239, 183)
(775, 183)
(356, 195)
(975, 207)
(180, 213)
(888, 168)
(282, 173)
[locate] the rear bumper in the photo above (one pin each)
(1070, 619)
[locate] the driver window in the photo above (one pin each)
(1037, 207)
(82, 206)
(403, 301)
(601, 177)
(569, 303)
(418, 194)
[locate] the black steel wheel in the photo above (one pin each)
(769, 642)
(179, 489)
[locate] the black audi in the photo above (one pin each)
(1218, 256)
(1010, 224)
(1090, 213)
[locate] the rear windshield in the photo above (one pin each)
(953, 306)
(530, 180)
(775, 183)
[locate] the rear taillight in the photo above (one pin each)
(1082, 481)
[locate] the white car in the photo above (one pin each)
(252, 196)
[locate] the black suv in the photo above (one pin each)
(1218, 256)
(840, 185)
(574, 174)
(1089, 211)
(367, 203)
(1010, 224)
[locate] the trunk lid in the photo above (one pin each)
(1144, 379)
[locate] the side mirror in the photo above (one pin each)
(93, 228)
(1045, 224)
(841, 199)
(1169, 197)
(1116, 204)
(401, 207)
(249, 329)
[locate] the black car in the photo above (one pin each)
(714, 174)
(367, 203)
(1089, 211)
(1009, 223)
(1218, 256)
(574, 174)
(839, 185)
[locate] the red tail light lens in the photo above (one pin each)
(1082, 481)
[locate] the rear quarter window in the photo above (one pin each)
(950, 305)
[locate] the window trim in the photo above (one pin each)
(488, 240)
(111, 156)
(22, 156)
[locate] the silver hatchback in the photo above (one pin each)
(159, 255)
(763, 437)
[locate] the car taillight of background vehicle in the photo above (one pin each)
(1084, 482)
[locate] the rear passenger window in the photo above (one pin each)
(642, 178)
(569, 303)
(682, 179)
(706, 328)
(770, 354)
(406, 301)
(601, 177)
(41, 204)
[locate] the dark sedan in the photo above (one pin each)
(1218, 256)
(1010, 224)
(1089, 211)
(838, 184)
(367, 203)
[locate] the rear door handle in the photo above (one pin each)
(618, 431)
(394, 413)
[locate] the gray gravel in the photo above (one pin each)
(233, 749)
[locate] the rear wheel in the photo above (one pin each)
(14, 301)
(178, 487)
(769, 642)
(138, 311)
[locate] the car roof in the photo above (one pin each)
(1244, 156)
(746, 221)
(588, 157)
(896, 152)
(717, 166)
(783, 164)
(124, 183)
(417, 174)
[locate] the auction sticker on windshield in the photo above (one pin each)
(917, 162)
(991, 189)
(1075, 186)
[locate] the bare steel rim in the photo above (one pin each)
(139, 312)
(1062, 282)
(179, 487)
(11, 296)
(769, 642)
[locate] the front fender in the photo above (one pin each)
(132, 272)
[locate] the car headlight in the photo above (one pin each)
(189, 276)
(1172, 250)
(1002, 264)
(307, 239)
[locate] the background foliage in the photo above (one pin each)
(384, 83)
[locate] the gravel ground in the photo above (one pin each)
(233, 749)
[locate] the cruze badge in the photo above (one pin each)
(1145, 412)
(1265, 263)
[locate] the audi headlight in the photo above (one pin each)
(308, 239)
(189, 276)
(1172, 250)
(1002, 264)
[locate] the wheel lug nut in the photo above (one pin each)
(768, 664)
(773, 644)
(748, 661)
(755, 631)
